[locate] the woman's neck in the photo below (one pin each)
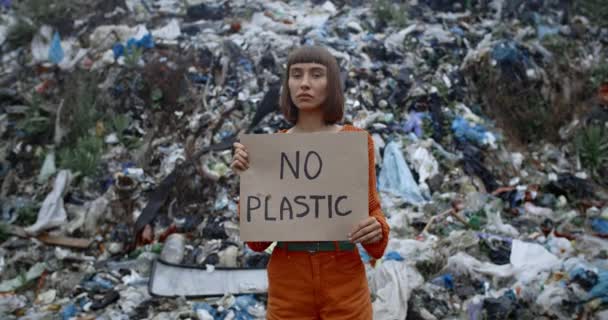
(310, 121)
(313, 121)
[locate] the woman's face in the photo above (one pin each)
(308, 85)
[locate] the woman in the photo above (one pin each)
(320, 280)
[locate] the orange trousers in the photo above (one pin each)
(322, 285)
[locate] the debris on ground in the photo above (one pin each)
(117, 120)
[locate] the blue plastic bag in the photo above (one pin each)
(476, 133)
(120, 50)
(446, 281)
(69, 311)
(396, 177)
(600, 290)
(55, 50)
(600, 226)
(393, 255)
(414, 123)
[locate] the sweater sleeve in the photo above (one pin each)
(376, 250)
(258, 246)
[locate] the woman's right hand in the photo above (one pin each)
(240, 160)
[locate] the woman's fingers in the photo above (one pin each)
(364, 228)
(372, 237)
(242, 164)
(242, 153)
(238, 146)
(241, 159)
(367, 234)
(238, 166)
(363, 233)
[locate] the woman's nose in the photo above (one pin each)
(305, 82)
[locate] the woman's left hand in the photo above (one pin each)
(367, 231)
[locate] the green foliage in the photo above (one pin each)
(599, 74)
(595, 10)
(44, 11)
(392, 13)
(563, 49)
(4, 233)
(21, 33)
(27, 215)
(517, 106)
(119, 124)
(468, 4)
(81, 106)
(84, 157)
(592, 147)
(429, 269)
(477, 219)
(132, 57)
(156, 96)
(35, 121)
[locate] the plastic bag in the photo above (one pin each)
(52, 213)
(393, 282)
(396, 177)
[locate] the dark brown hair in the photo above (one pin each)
(333, 107)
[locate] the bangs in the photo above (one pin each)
(333, 106)
(311, 54)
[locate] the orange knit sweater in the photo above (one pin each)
(376, 250)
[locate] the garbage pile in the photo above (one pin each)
(489, 118)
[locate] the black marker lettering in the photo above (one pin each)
(306, 165)
(329, 205)
(338, 212)
(296, 171)
(266, 210)
(317, 198)
(250, 208)
(288, 207)
(304, 204)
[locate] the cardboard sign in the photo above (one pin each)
(304, 187)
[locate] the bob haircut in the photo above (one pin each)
(333, 107)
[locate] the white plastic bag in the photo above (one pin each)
(52, 213)
(394, 282)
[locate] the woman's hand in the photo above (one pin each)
(240, 160)
(366, 232)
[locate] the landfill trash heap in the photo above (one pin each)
(117, 118)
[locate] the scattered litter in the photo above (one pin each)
(117, 121)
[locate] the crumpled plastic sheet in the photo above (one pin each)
(132, 297)
(551, 297)
(529, 259)
(495, 222)
(413, 250)
(243, 307)
(33, 273)
(477, 134)
(462, 264)
(88, 215)
(396, 177)
(424, 162)
(11, 303)
(52, 213)
(392, 283)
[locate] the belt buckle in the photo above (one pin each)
(313, 250)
